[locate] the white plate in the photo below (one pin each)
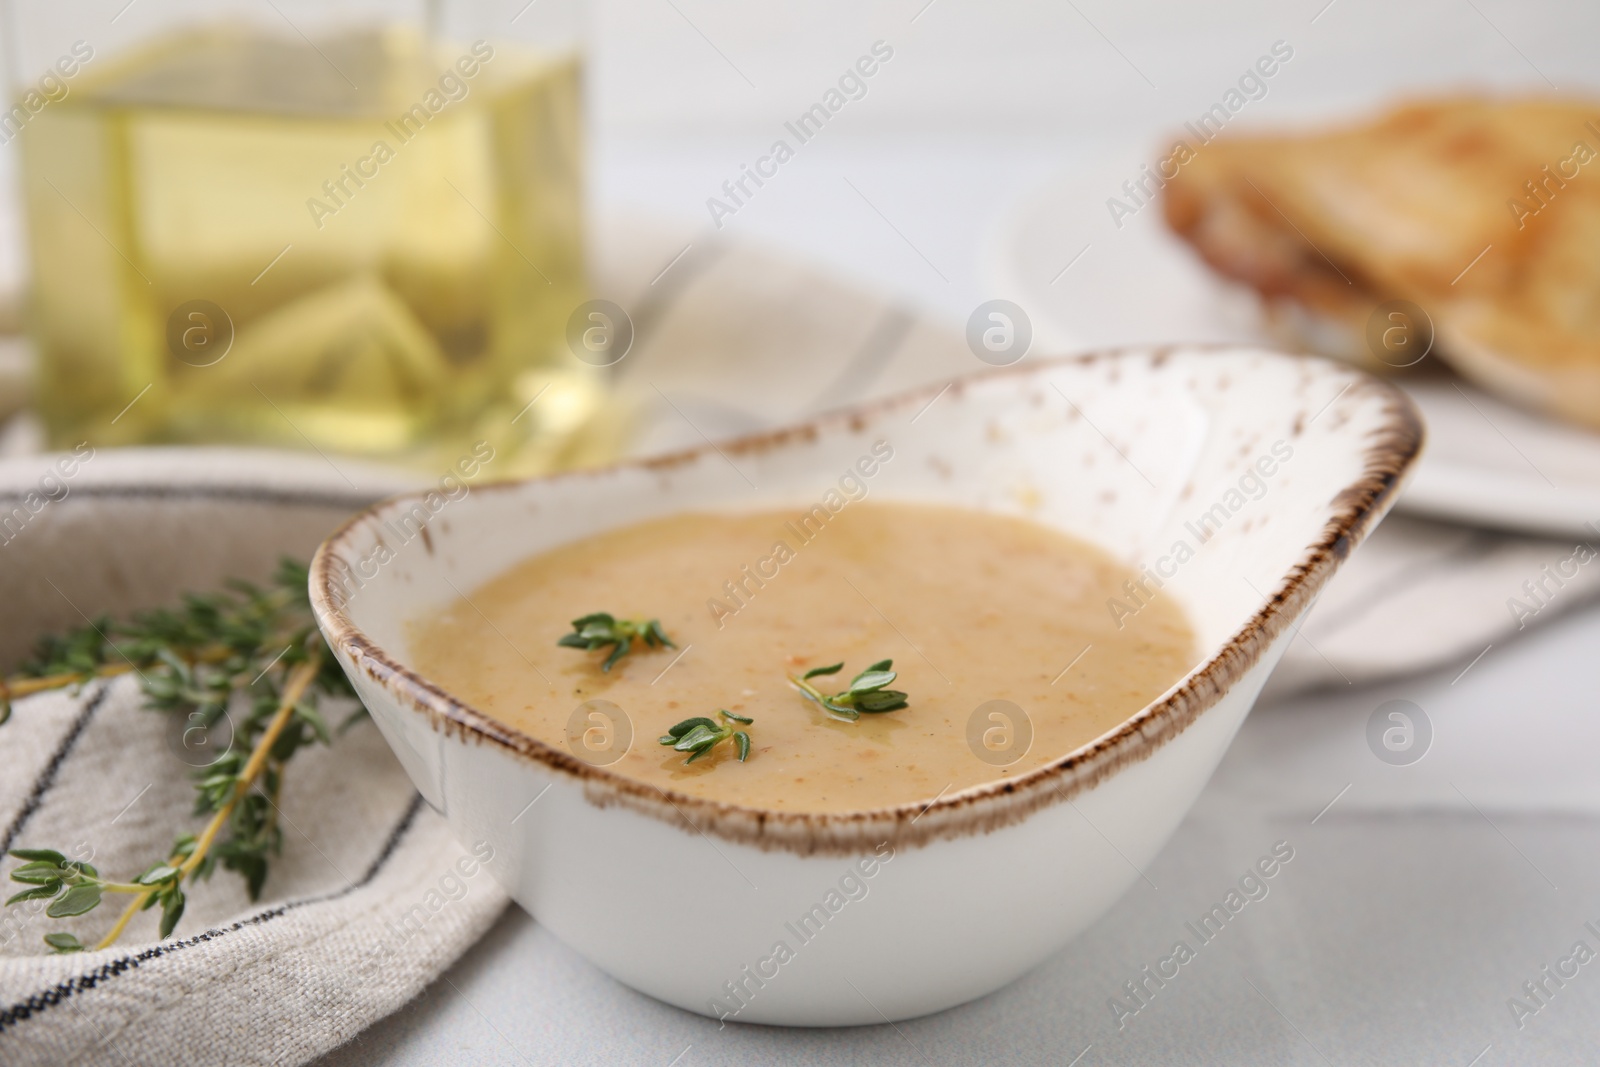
(1085, 283)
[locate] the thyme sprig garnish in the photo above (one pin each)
(699, 735)
(601, 629)
(865, 694)
(261, 647)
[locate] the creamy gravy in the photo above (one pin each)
(972, 607)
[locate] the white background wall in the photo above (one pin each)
(983, 99)
(1031, 66)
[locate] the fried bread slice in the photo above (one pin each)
(1484, 213)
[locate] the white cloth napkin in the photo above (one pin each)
(1420, 594)
(367, 903)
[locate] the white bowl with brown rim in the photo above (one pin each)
(905, 910)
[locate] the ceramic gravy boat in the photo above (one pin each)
(1235, 480)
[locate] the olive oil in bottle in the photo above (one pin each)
(367, 245)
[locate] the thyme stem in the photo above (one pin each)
(134, 906)
(298, 681)
(26, 685)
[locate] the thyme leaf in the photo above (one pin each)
(699, 735)
(600, 629)
(867, 692)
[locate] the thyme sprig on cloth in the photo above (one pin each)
(258, 647)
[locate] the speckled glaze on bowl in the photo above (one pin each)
(1130, 449)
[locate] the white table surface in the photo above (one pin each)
(1414, 907)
